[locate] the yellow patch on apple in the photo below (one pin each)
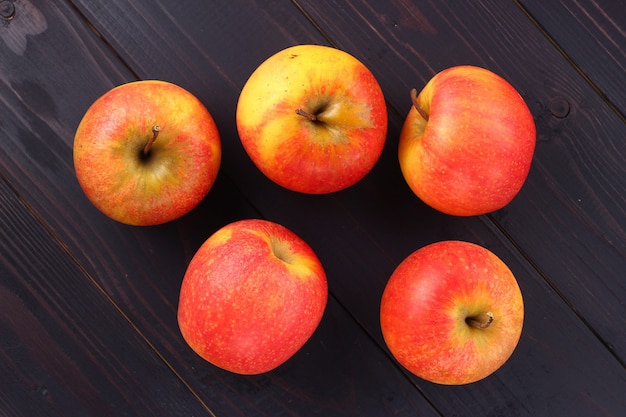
(313, 119)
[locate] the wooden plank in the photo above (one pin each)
(593, 35)
(65, 349)
(360, 234)
(339, 372)
(569, 217)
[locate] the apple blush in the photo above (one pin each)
(251, 297)
(467, 143)
(452, 313)
(313, 119)
(146, 152)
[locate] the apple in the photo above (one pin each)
(251, 297)
(452, 313)
(313, 119)
(146, 152)
(467, 143)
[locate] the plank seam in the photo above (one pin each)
(103, 39)
(571, 61)
(555, 288)
(56, 239)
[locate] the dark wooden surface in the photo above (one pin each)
(88, 306)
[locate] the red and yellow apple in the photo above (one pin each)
(251, 297)
(313, 119)
(452, 313)
(146, 152)
(467, 142)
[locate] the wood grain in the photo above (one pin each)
(562, 237)
(593, 35)
(65, 349)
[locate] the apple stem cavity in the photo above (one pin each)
(155, 132)
(419, 109)
(306, 114)
(281, 250)
(480, 321)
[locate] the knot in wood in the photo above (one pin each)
(7, 10)
(559, 107)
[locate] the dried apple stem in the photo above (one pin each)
(419, 109)
(306, 114)
(481, 321)
(155, 132)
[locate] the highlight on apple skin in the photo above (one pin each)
(313, 119)
(452, 313)
(467, 143)
(252, 295)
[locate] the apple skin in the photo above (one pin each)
(318, 156)
(253, 294)
(179, 169)
(429, 301)
(474, 152)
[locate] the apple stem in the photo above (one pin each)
(306, 114)
(481, 321)
(155, 132)
(419, 109)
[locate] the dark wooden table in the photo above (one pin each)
(88, 306)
